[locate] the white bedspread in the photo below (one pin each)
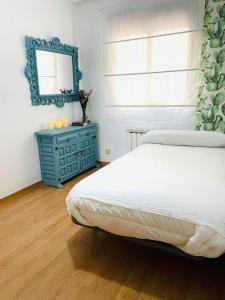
(174, 194)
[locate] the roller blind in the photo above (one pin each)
(152, 53)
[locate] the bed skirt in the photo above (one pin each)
(153, 244)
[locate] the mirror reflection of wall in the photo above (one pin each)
(55, 72)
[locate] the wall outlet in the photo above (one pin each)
(107, 151)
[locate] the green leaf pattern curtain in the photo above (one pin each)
(211, 99)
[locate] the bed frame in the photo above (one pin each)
(153, 244)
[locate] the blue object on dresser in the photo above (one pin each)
(32, 70)
(66, 152)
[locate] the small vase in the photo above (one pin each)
(84, 118)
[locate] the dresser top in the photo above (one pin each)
(53, 132)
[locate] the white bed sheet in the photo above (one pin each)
(173, 194)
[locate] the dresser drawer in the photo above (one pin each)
(84, 134)
(45, 140)
(67, 138)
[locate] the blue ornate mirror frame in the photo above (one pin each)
(31, 72)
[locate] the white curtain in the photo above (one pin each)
(152, 52)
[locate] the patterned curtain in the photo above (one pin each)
(211, 99)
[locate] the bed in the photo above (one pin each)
(170, 189)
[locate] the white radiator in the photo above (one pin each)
(136, 136)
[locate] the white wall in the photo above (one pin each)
(113, 121)
(19, 161)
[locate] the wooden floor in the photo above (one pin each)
(43, 255)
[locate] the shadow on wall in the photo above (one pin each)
(108, 261)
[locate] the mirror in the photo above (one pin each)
(55, 73)
(52, 71)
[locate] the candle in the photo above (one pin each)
(50, 125)
(58, 124)
(65, 122)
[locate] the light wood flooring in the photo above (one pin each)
(43, 255)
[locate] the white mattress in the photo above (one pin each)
(173, 194)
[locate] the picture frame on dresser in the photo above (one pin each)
(66, 152)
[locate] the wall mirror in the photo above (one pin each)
(52, 71)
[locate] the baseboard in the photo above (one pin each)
(18, 193)
(103, 163)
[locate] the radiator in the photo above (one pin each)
(136, 136)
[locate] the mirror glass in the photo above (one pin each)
(55, 73)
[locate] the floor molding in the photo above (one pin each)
(20, 192)
(103, 163)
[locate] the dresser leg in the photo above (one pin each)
(55, 184)
(59, 185)
(98, 166)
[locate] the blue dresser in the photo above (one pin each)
(66, 152)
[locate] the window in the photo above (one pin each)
(152, 53)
